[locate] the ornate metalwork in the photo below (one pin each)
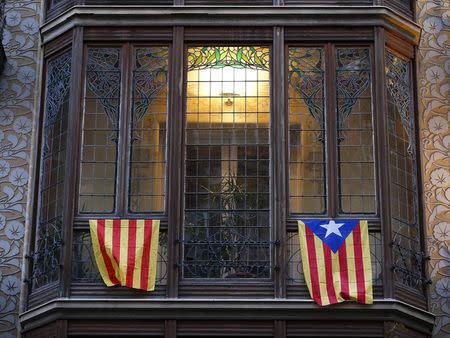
(84, 267)
(294, 269)
(149, 78)
(398, 83)
(352, 79)
(408, 262)
(306, 76)
(226, 251)
(47, 255)
(103, 79)
(236, 57)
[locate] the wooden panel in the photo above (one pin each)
(306, 34)
(221, 34)
(226, 289)
(399, 45)
(129, 2)
(401, 6)
(128, 34)
(330, 328)
(57, 44)
(147, 328)
(328, 2)
(56, 329)
(43, 295)
(224, 328)
(101, 291)
(228, 3)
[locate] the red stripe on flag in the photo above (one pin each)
(106, 259)
(313, 265)
(131, 258)
(116, 241)
(329, 275)
(146, 254)
(359, 264)
(344, 271)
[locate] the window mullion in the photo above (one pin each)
(124, 132)
(330, 127)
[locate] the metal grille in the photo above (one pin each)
(100, 131)
(84, 267)
(407, 254)
(355, 132)
(306, 131)
(227, 223)
(294, 269)
(148, 138)
(53, 165)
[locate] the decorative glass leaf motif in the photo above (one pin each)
(398, 82)
(236, 57)
(57, 89)
(306, 76)
(352, 79)
(149, 77)
(103, 79)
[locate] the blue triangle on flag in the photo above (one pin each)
(332, 232)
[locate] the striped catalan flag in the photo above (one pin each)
(126, 251)
(336, 260)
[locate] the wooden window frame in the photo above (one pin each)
(177, 38)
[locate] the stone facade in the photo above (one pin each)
(19, 85)
(434, 120)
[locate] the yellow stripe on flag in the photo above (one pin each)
(352, 287)
(139, 251)
(123, 251)
(98, 253)
(304, 255)
(337, 276)
(366, 261)
(109, 246)
(321, 270)
(153, 255)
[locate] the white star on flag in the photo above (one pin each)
(332, 228)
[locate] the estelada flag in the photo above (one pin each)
(336, 260)
(126, 251)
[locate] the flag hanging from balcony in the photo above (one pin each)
(336, 260)
(126, 251)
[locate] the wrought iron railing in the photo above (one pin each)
(84, 267)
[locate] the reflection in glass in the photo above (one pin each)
(100, 131)
(226, 226)
(148, 130)
(407, 254)
(355, 131)
(306, 131)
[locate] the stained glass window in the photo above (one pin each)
(148, 130)
(307, 176)
(227, 189)
(53, 166)
(355, 132)
(100, 131)
(402, 158)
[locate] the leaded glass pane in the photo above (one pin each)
(100, 131)
(355, 132)
(53, 166)
(407, 252)
(227, 188)
(148, 130)
(307, 175)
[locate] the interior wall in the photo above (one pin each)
(17, 101)
(434, 116)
